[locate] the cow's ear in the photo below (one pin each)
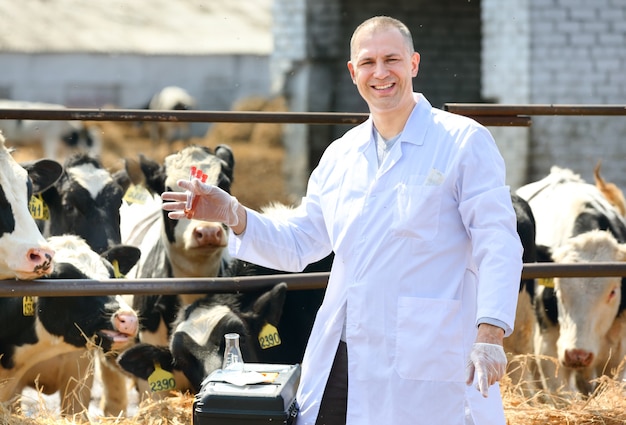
(134, 172)
(122, 178)
(225, 153)
(44, 173)
(544, 254)
(154, 174)
(139, 360)
(269, 306)
(126, 256)
(147, 173)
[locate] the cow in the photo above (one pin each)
(519, 345)
(39, 335)
(579, 320)
(180, 248)
(196, 347)
(170, 98)
(85, 201)
(57, 138)
(173, 248)
(24, 252)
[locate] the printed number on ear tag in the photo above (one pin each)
(268, 337)
(161, 380)
(28, 306)
(136, 194)
(38, 208)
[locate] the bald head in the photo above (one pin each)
(381, 23)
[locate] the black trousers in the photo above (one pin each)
(334, 403)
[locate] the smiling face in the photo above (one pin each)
(382, 66)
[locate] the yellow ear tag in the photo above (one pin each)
(548, 282)
(136, 194)
(268, 337)
(28, 306)
(38, 208)
(116, 270)
(161, 380)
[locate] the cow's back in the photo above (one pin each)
(564, 205)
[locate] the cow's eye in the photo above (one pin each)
(612, 294)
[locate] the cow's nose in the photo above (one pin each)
(209, 235)
(126, 323)
(578, 358)
(40, 260)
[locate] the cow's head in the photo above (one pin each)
(109, 319)
(194, 247)
(587, 306)
(24, 253)
(197, 344)
(85, 201)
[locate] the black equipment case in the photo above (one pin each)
(222, 403)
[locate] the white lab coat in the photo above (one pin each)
(424, 245)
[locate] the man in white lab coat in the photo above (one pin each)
(424, 283)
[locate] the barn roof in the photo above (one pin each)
(137, 26)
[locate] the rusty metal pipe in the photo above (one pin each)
(295, 281)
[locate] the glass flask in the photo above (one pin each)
(232, 353)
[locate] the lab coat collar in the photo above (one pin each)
(412, 132)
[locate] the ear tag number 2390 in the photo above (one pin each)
(161, 380)
(268, 337)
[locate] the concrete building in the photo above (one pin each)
(118, 52)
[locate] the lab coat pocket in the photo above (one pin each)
(416, 212)
(429, 341)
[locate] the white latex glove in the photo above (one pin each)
(210, 203)
(488, 361)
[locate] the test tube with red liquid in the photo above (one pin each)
(194, 173)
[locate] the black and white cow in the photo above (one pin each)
(170, 98)
(39, 336)
(85, 201)
(56, 137)
(519, 345)
(178, 248)
(24, 253)
(579, 320)
(196, 347)
(173, 248)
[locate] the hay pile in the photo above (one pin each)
(176, 410)
(605, 406)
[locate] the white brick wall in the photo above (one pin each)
(558, 52)
(578, 56)
(505, 75)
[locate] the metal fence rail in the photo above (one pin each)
(482, 111)
(221, 116)
(295, 281)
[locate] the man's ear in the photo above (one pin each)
(351, 69)
(415, 64)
